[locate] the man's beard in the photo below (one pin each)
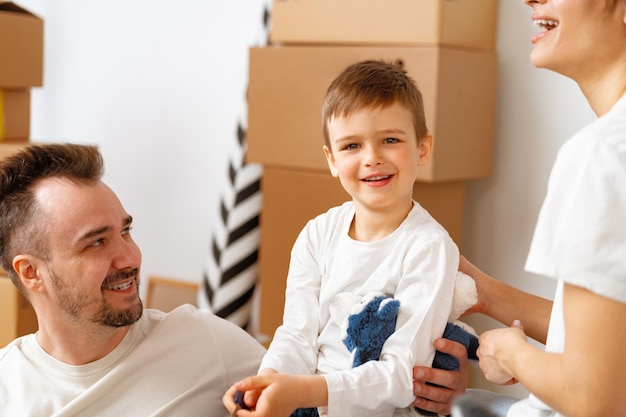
(77, 306)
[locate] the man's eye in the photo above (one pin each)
(126, 230)
(96, 243)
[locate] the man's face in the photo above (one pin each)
(92, 271)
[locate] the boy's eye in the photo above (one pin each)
(391, 140)
(352, 146)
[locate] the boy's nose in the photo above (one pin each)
(373, 156)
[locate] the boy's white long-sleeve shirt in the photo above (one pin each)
(417, 264)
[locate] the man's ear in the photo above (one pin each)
(27, 268)
(425, 148)
(330, 159)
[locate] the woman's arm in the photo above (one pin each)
(497, 300)
(505, 303)
(587, 378)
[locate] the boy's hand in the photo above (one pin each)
(277, 395)
(451, 384)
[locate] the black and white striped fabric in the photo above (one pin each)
(231, 269)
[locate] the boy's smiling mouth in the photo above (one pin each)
(377, 178)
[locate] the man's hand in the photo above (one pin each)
(448, 384)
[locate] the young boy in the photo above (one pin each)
(381, 241)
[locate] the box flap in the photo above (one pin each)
(9, 6)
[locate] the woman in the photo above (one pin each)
(580, 238)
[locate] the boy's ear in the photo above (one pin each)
(27, 270)
(425, 148)
(331, 161)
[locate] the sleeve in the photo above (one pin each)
(294, 347)
(240, 354)
(425, 292)
(580, 233)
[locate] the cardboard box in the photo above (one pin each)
(14, 115)
(454, 23)
(17, 316)
(291, 198)
(287, 87)
(165, 293)
(21, 47)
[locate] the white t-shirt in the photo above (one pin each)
(176, 364)
(417, 264)
(581, 231)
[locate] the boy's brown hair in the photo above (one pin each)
(372, 84)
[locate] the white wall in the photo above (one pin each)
(159, 87)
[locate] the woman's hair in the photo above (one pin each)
(22, 226)
(373, 84)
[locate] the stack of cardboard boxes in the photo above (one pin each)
(446, 46)
(21, 68)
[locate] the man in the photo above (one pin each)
(65, 242)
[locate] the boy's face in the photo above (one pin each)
(375, 154)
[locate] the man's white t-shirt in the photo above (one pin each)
(168, 364)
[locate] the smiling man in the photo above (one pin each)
(65, 242)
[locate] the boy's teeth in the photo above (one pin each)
(378, 178)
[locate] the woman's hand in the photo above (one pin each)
(495, 346)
